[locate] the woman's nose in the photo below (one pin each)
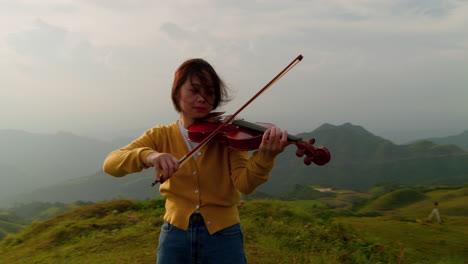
(200, 97)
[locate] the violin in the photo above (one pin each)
(245, 136)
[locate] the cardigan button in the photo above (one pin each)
(196, 191)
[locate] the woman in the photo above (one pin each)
(201, 220)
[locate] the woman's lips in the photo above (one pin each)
(200, 109)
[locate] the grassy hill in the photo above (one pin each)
(394, 200)
(414, 203)
(299, 231)
(451, 203)
(8, 228)
(126, 231)
(8, 224)
(419, 242)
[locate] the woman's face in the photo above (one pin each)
(196, 100)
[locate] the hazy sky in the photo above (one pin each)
(96, 66)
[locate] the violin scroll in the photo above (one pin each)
(320, 156)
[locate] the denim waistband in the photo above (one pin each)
(196, 217)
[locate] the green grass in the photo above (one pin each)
(308, 205)
(416, 204)
(418, 243)
(393, 200)
(451, 203)
(292, 232)
(100, 233)
(275, 232)
(7, 227)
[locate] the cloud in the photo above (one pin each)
(174, 31)
(431, 8)
(120, 56)
(53, 50)
(120, 4)
(44, 41)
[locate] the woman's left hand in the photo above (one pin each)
(274, 141)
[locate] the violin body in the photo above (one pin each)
(245, 136)
(230, 135)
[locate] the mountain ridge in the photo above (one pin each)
(354, 151)
(460, 140)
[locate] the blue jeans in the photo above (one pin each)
(197, 246)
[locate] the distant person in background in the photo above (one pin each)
(202, 222)
(434, 213)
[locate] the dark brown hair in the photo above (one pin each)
(206, 73)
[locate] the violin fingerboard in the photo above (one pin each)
(250, 126)
(259, 128)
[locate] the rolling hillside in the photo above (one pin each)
(420, 242)
(30, 160)
(460, 140)
(125, 231)
(96, 188)
(8, 228)
(359, 161)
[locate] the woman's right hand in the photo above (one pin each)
(164, 164)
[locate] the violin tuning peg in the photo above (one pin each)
(299, 152)
(322, 156)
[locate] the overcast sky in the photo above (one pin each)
(97, 67)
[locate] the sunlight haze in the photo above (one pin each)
(105, 68)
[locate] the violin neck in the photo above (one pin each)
(259, 128)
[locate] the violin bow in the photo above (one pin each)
(231, 117)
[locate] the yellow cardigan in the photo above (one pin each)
(210, 183)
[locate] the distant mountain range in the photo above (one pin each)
(65, 167)
(361, 160)
(460, 140)
(29, 161)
